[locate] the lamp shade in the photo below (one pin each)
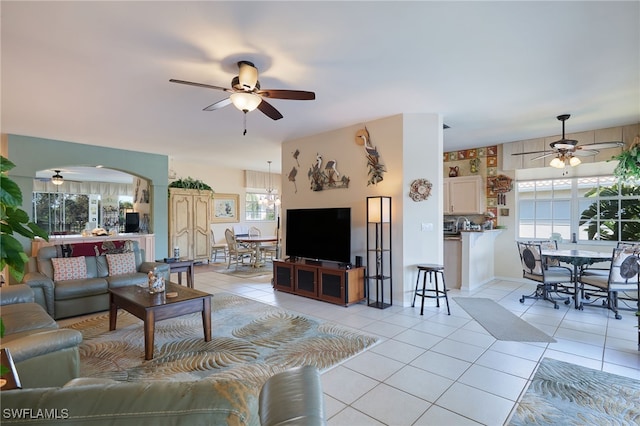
(557, 163)
(378, 209)
(574, 161)
(245, 101)
(248, 75)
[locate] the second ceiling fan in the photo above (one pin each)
(246, 94)
(567, 150)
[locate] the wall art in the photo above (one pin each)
(420, 190)
(325, 175)
(376, 169)
(226, 208)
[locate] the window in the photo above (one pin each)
(60, 213)
(260, 207)
(594, 208)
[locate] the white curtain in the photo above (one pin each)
(103, 188)
(260, 180)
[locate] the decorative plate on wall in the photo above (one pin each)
(420, 190)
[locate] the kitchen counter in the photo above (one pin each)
(477, 257)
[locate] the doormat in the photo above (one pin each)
(501, 323)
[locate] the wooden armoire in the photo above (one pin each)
(189, 219)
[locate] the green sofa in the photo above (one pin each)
(73, 297)
(44, 355)
(293, 397)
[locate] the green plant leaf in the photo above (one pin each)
(10, 193)
(14, 220)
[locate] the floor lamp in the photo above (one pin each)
(379, 250)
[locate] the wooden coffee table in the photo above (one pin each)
(156, 307)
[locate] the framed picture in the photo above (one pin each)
(226, 208)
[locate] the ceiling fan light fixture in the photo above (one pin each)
(247, 75)
(245, 102)
(57, 179)
(557, 163)
(574, 161)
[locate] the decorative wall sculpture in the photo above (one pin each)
(376, 169)
(294, 171)
(420, 190)
(325, 175)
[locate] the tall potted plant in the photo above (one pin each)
(14, 220)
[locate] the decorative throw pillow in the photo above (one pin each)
(123, 263)
(69, 268)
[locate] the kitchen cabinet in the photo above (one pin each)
(189, 219)
(464, 195)
(319, 280)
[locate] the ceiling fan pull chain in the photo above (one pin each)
(245, 123)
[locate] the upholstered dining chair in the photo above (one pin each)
(547, 277)
(218, 248)
(594, 270)
(236, 252)
(621, 284)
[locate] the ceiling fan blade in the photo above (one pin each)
(220, 104)
(585, 152)
(206, 86)
(269, 110)
(297, 95)
(527, 153)
(543, 156)
(601, 145)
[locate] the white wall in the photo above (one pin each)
(410, 147)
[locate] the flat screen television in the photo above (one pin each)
(319, 234)
(132, 222)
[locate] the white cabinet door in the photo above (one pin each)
(466, 195)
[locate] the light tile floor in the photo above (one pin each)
(437, 369)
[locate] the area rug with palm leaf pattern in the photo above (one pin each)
(250, 341)
(562, 393)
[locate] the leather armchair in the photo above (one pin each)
(44, 355)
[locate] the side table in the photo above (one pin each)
(11, 376)
(179, 266)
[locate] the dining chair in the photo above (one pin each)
(270, 250)
(547, 277)
(265, 251)
(621, 284)
(236, 253)
(218, 248)
(591, 270)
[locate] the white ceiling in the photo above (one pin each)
(98, 72)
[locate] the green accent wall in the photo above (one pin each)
(31, 154)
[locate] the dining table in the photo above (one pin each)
(254, 242)
(579, 259)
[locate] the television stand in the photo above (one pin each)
(327, 281)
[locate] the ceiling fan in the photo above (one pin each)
(246, 94)
(567, 151)
(57, 179)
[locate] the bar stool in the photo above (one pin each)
(432, 271)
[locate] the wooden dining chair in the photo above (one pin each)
(236, 252)
(218, 248)
(547, 277)
(621, 284)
